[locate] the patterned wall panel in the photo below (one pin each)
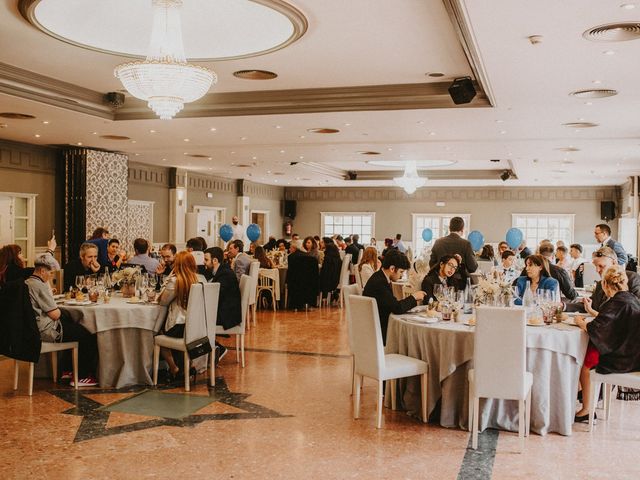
(107, 193)
(140, 219)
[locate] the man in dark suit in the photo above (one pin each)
(454, 244)
(229, 302)
(602, 232)
(379, 287)
(355, 239)
(603, 258)
(559, 273)
(352, 249)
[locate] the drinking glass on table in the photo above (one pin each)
(79, 282)
(438, 292)
(153, 280)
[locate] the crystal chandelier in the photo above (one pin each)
(165, 79)
(410, 181)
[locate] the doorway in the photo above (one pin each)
(261, 218)
(208, 223)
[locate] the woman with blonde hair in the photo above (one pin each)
(368, 264)
(614, 334)
(175, 293)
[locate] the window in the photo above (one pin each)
(349, 223)
(439, 225)
(537, 227)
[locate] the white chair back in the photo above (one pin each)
(500, 353)
(366, 336)
(590, 274)
(358, 277)
(195, 323)
(344, 271)
(211, 299)
(348, 291)
(245, 292)
(485, 267)
(254, 270)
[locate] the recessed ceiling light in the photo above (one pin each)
(243, 138)
(137, 154)
(278, 126)
(254, 158)
(580, 124)
(502, 132)
(275, 180)
(209, 158)
(17, 116)
(164, 159)
(594, 93)
(432, 133)
(186, 140)
(389, 149)
(79, 143)
(213, 129)
(255, 74)
(233, 153)
(302, 136)
(133, 141)
(281, 151)
(435, 74)
(301, 157)
(323, 130)
(613, 32)
(94, 133)
(186, 153)
(37, 135)
(608, 52)
(628, 6)
(152, 131)
(347, 124)
(45, 122)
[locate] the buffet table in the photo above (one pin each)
(554, 356)
(125, 334)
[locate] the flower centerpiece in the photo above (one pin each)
(126, 279)
(493, 293)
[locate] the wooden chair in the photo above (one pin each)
(268, 280)
(53, 348)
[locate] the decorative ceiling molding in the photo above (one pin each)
(40, 88)
(313, 100)
(30, 158)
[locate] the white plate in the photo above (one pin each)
(139, 302)
(79, 304)
(420, 319)
(535, 324)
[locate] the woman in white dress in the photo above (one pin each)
(368, 264)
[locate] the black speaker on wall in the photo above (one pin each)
(462, 90)
(607, 211)
(290, 208)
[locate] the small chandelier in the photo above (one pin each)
(165, 79)
(410, 181)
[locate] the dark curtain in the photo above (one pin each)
(73, 172)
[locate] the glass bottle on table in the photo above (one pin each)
(528, 301)
(468, 298)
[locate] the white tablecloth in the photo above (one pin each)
(125, 338)
(554, 357)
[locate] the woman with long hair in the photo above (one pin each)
(614, 334)
(175, 293)
(261, 256)
(368, 265)
(311, 247)
(487, 254)
(538, 275)
(12, 265)
(440, 274)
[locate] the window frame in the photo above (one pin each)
(323, 215)
(419, 244)
(570, 216)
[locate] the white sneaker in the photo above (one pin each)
(85, 382)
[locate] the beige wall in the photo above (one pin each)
(490, 208)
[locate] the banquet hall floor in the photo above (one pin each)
(287, 415)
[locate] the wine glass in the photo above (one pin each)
(438, 292)
(79, 282)
(153, 280)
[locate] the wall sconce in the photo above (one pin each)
(180, 196)
(209, 194)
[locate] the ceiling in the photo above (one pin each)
(362, 67)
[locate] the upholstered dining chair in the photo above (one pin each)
(344, 276)
(53, 348)
(630, 380)
(372, 362)
(485, 266)
(254, 270)
(195, 328)
(348, 291)
(500, 365)
(239, 330)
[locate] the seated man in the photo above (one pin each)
(56, 326)
(167, 255)
(240, 261)
(141, 257)
(379, 287)
(229, 302)
(507, 268)
(86, 264)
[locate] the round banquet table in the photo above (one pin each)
(125, 334)
(554, 356)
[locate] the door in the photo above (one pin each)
(209, 221)
(6, 227)
(260, 219)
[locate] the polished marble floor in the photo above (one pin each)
(287, 415)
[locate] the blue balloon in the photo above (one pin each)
(427, 234)
(226, 232)
(514, 237)
(253, 232)
(477, 240)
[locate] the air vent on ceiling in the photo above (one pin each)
(613, 32)
(255, 74)
(568, 149)
(115, 137)
(323, 130)
(594, 93)
(368, 152)
(580, 124)
(17, 116)
(243, 165)
(197, 155)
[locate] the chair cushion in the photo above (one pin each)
(170, 342)
(631, 379)
(400, 366)
(57, 347)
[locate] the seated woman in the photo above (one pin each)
(368, 264)
(311, 247)
(488, 255)
(261, 256)
(175, 293)
(538, 274)
(12, 264)
(55, 325)
(440, 274)
(614, 335)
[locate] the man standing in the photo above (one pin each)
(240, 261)
(398, 243)
(238, 229)
(602, 232)
(229, 301)
(352, 249)
(379, 287)
(454, 244)
(355, 239)
(87, 264)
